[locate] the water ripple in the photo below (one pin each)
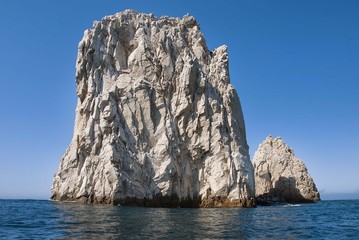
(29, 219)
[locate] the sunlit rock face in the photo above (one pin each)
(157, 121)
(280, 176)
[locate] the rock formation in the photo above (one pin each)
(157, 121)
(280, 176)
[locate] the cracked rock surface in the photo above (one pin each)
(280, 176)
(157, 121)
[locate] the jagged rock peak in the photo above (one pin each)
(157, 121)
(280, 176)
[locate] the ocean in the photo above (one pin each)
(41, 219)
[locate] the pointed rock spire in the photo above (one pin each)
(280, 176)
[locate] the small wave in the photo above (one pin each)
(292, 205)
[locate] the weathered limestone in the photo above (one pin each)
(157, 121)
(280, 176)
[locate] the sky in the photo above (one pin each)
(294, 64)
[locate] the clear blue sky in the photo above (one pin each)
(295, 65)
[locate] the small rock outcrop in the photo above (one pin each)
(157, 121)
(280, 177)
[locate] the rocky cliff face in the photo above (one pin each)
(280, 176)
(157, 121)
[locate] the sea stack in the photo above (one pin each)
(157, 121)
(280, 177)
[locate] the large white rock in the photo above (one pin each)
(279, 175)
(157, 120)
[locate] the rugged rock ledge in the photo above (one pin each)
(280, 177)
(157, 121)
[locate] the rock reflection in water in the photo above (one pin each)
(33, 219)
(108, 222)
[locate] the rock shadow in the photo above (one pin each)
(284, 191)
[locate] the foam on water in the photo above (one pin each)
(292, 205)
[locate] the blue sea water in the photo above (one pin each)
(35, 219)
